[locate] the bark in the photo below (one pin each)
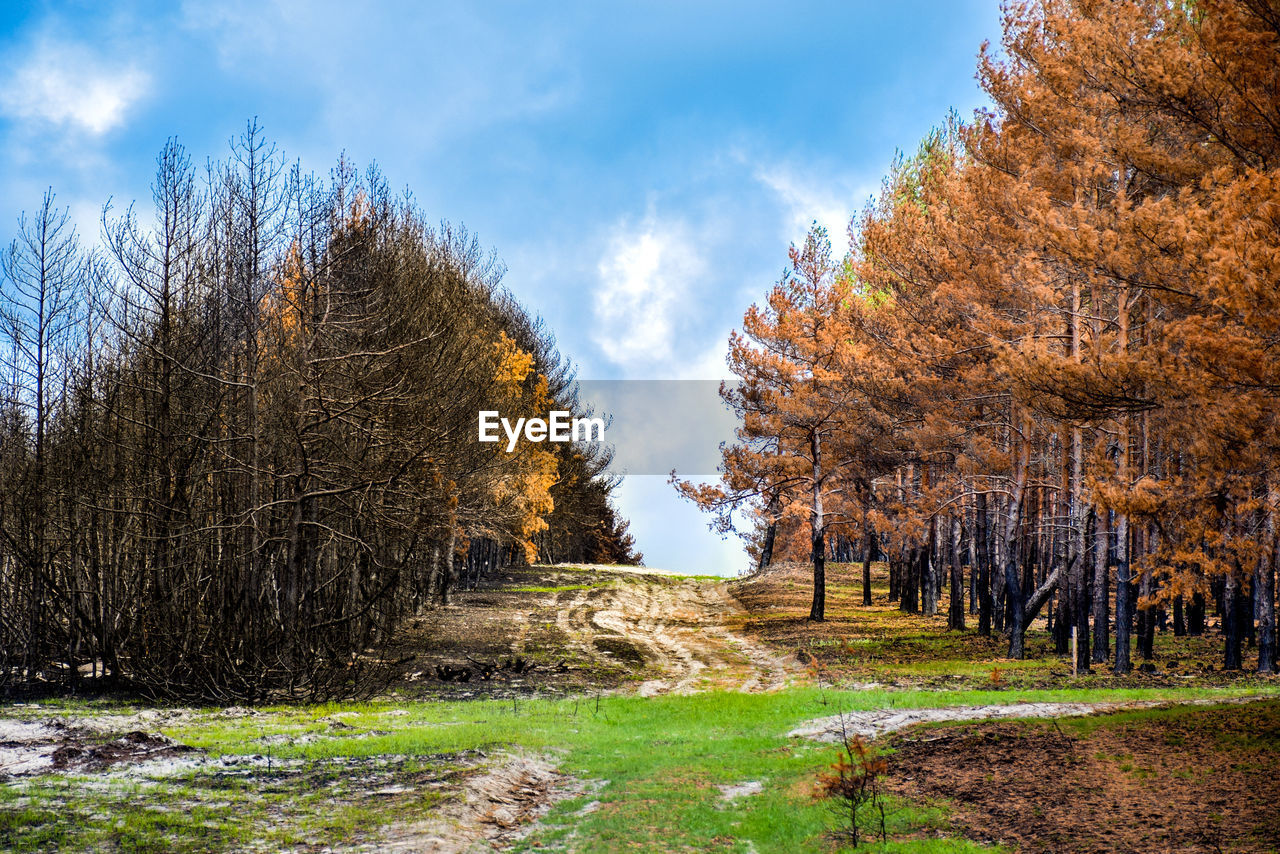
(770, 535)
(1012, 527)
(1231, 613)
(984, 566)
(817, 611)
(1031, 609)
(955, 610)
(973, 575)
(867, 535)
(1078, 546)
(912, 570)
(1124, 589)
(1195, 614)
(446, 567)
(1146, 618)
(1265, 585)
(929, 573)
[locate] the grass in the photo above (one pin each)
(544, 589)
(881, 643)
(629, 570)
(653, 767)
(303, 803)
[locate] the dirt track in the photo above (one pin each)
(492, 810)
(675, 629)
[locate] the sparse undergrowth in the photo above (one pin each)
(1175, 779)
(653, 768)
(880, 643)
(706, 771)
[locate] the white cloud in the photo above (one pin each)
(648, 276)
(805, 200)
(711, 364)
(66, 85)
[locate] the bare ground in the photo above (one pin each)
(489, 801)
(1176, 780)
(860, 643)
(675, 629)
(31, 747)
(574, 629)
(493, 809)
(873, 724)
(607, 629)
(590, 628)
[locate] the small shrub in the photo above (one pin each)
(853, 783)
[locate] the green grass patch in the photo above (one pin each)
(660, 761)
(544, 589)
(654, 768)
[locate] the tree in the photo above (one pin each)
(793, 356)
(44, 273)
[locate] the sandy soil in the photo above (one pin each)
(588, 629)
(40, 747)
(676, 629)
(493, 809)
(873, 724)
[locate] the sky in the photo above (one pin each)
(641, 168)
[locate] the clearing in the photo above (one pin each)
(605, 709)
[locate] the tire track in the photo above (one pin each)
(679, 626)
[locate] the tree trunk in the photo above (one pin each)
(1265, 590)
(1231, 611)
(446, 566)
(867, 535)
(1012, 527)
(929, 572)
(1078, 548)
(911, 580)
(972, 554)
(1195, 615)
(817, 611)
(984, 566)
(770, 535)
(1146, 618)
(955, 609)
(999, 591)
(1124, 589)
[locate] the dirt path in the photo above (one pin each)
(877, 722)
(674, 628)
(493, 809)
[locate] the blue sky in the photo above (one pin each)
(640, 167)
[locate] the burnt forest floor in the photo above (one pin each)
(1179, 779)
(878, 643)
(599, 709)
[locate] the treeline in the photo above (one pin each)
(238, 441)
(1046, 374)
